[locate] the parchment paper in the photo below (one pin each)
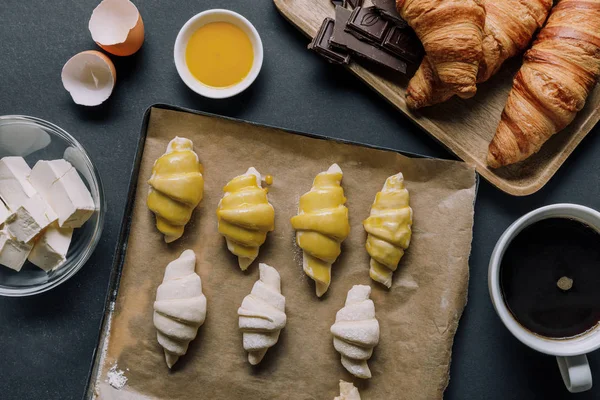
(418, 316)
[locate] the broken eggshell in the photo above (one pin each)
(89, 77)
(117, 27)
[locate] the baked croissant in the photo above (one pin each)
(509, 27)
(322, 225)
(348, 391)
(180, 307)
(176, 188)
(451, 32)
(356, 331)
(262, 314)
(557, 75)
(389, 229)
(245, 216)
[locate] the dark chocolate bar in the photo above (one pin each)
(320, 44)
(403, 43)
(346, 41)
(387, 8)
(366, 23)
(354, 3)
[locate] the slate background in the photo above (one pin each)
(47, 341)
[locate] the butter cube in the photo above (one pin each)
(13, 253)
(14, 186)
(4, 213)
(50, 249)
(61, 187)
(30, 219)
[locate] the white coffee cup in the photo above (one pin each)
(570, 352)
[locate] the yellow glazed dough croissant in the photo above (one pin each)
(176, 188)
(180, 307)
(262, 314)
(356, 331)
(389, 229)
(322, 225)
(348, 391)
(245, 216)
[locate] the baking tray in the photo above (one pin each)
(121, 248)
(465, 127)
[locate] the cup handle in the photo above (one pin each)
(576, 374)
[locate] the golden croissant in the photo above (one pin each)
(389, 229)
(322, 225)
(176, 188)
(509, 27)
(557, 75)
(245, 216)
(451, 32)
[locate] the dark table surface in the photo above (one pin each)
(47, 341)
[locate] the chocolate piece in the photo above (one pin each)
(365, 22)
(345, 40)
(387, 8)
(403, 43)
(320, 44)
(354, 3)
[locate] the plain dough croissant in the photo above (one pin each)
(509, 27)
(322, 225)
(557, 75)
(176, 188)
(356, 331)
(348, 391)
(245, 216)
(451, 32)
(389, 229)
(180, 307)
(262, 314)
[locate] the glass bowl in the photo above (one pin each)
(35, 139)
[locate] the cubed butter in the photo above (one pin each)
(30, 219)
(13, 253)
(51, 247)
(15, 188)
(4, 213)
(62, 188)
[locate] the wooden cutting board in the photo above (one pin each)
(465, 127)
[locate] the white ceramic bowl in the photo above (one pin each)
(199, 20)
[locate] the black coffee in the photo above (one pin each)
(550, 278)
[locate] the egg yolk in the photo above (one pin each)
(219, 54)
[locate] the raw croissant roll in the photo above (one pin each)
(356, 331)
(262, 314)
(180, 307)
(245, 216)
(509, 27)
(322, 225)
(557, 75)
(348, 391)
(176, 188)
(451, 32)
(389, 229)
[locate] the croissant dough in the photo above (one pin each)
(245, 216)
(322, 225)
(262, 314)
(348, 391)
(176, 188)
(180, 307)
(356, 331)
(389, 229)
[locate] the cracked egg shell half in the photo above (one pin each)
(89, 77)
(117, 27)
